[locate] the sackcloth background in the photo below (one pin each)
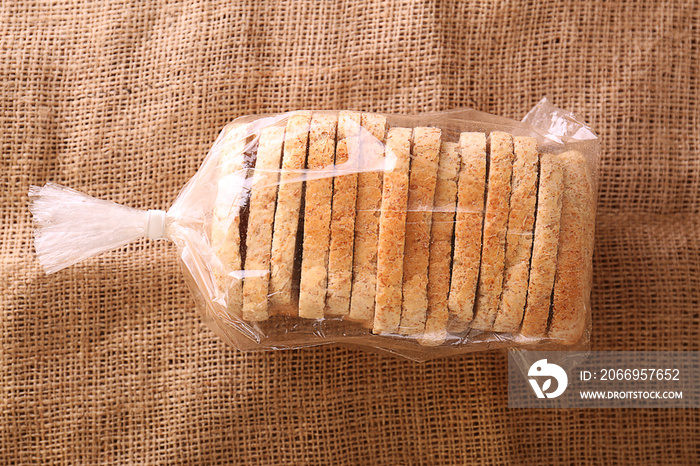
(107, 362)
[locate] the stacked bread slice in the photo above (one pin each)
(339, 215)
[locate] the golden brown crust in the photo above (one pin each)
(445, 204)
(369, 202)
(495, 228)
(422, 180)
(575, 255)
(468, 226)
(225, 233)
(521, 220)
(287, 212)
(343, 215)
(544, 251)
(392, 224)
(317, 216)
(259, 234)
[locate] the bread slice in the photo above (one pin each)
(261, 215)
(495, 227)
(445, 204)
(317, 216)
(544, 251)
(343, 215)
(231, 195)
(369, 203)
(392, 228)
(287, 213)
(468, 228)
(572, 285)
(521, 222)
(422, 179)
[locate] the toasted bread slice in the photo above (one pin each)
(343, 215)
(317, 216)
(369, 203)
(441, 231)
(521, 223)
(471, 189)
(572, 284)
(231, 195)
(493, 246)
(544, 251)
(287, 213)
(392, 229)
(263, 197)
(422, 179)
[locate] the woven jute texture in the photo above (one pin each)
(108, 362)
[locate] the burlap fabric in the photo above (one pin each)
(108, 362)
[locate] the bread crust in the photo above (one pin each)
(287, 213)
(259, 234)
(572, 284)
(317, 216)
(468, 228)
(495, 228)
(422, 180)
(445, 204)
(521, 222)
(392, 224)
(544, 251)
(369, 203)
(343, 215)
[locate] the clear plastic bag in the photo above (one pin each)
(423, 235)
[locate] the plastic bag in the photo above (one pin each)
(423, 235)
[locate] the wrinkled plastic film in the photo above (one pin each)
(72, 226)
